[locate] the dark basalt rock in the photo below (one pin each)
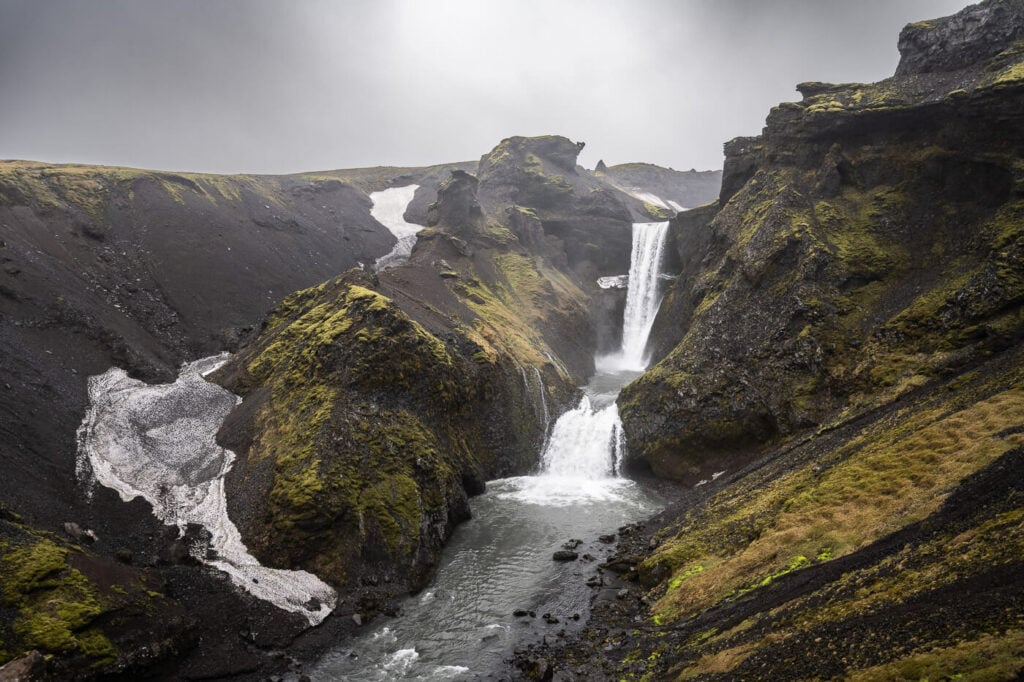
(457, 205)
(798, 293)
(970, 36)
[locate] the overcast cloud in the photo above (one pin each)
(278, 87)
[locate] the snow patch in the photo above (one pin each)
(158, 442)
(389, 207)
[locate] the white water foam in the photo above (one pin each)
(400, 661)
(389, 207)
(158, 442)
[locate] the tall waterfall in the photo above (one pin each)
(643, 294)
(586, 442)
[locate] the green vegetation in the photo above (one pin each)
(887, 478)
(360, 426)
(989, 657)
(55, 604)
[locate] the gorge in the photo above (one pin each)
(518, 418)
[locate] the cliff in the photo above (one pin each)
(142, 270)
(375, 404)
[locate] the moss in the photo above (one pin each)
(55, 603)
(679, 577)
(359, 424)
(990, 657)
(1011, 74)
(525, 296)
(856, 230)
(882, 481)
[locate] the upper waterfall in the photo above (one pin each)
(643, 294)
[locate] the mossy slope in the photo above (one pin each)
(862, 256)
(79, 610)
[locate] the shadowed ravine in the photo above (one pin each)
(464, 626)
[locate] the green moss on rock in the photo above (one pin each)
(54, 603)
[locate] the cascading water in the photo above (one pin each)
(587, 442)
(500, 561)
(643, 294)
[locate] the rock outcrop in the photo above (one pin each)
(970, 36)
(142, 270)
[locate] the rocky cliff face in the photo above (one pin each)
(374, 405)
(841, 383)
(866, 245)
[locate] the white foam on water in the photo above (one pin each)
(158, 442)
(386, 635)
(562, 491)
(679, 208)
(400, 661)
(389, 207)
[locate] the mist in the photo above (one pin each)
(280, 87)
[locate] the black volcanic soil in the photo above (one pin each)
(105, 267)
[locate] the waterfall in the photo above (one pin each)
(642, 294)
(587, 442)
(583, 442)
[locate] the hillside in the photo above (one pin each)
(840, 382)
(685, 189)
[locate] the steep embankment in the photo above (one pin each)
(373, 405)
(842, 379)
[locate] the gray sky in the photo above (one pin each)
(292, 85)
